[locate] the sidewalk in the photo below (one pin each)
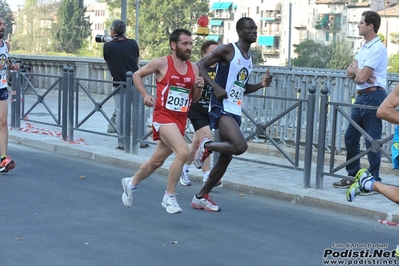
(241, 176)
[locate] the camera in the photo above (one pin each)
(103, 38)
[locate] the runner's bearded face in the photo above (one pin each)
(183, 48)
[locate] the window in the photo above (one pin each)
(98, 26)
(257, 10)
(99, 13)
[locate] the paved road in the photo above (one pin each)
(50, 216)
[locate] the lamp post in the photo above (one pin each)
(289, 35)
(137, 20)
(124, 16)
(123, 10)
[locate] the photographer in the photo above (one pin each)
(121, 55)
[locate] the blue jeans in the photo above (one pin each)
(367, 119)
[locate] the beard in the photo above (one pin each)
(183, 55)
(1, 35)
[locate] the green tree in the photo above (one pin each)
(33, 28)
(6, 13)
(157, 19)
(382, 37)
(257, 57)
(393, 63)
(72, 27)
(95, 51)
(311, 54)
(341, 55)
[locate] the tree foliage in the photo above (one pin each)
(6, 13)
(336, 55)
(393, 63)
(158, 18)
(257, 57)
(310, 54)
(341, 55)
(382, 37)
(33, 28)
(72, 27)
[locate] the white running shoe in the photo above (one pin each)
(202, 153)
(205, 203)
(127, 195)
(184, 178)
(170, 204)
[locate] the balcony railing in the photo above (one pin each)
(328, 22)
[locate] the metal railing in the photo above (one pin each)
(306, 109)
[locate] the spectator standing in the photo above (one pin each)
(121, 55)
(369, 72)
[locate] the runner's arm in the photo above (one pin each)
(387, 110)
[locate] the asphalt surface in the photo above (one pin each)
(244, 173)
(60, 209)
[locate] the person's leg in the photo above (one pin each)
(162, 151)
(373, 127)
(232, 142)
(6, 162)
(352, 143)
(129, 184)
(391, 192)
(111, 129)
(171, 137)
(119, 117)
(365, 183)
(197, 137)
(3, 127)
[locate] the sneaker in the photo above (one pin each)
(205, 203)
(170, 204)
(218, 184)
(362, 193)
(7, 164)
(184, 178)
(358, 186)
(343, 183)
(127, 195)
(202, 153)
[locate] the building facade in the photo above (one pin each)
(283, 23)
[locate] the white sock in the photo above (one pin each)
(131, 186)
(185, 167)
(206, 174)
(368, 185)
